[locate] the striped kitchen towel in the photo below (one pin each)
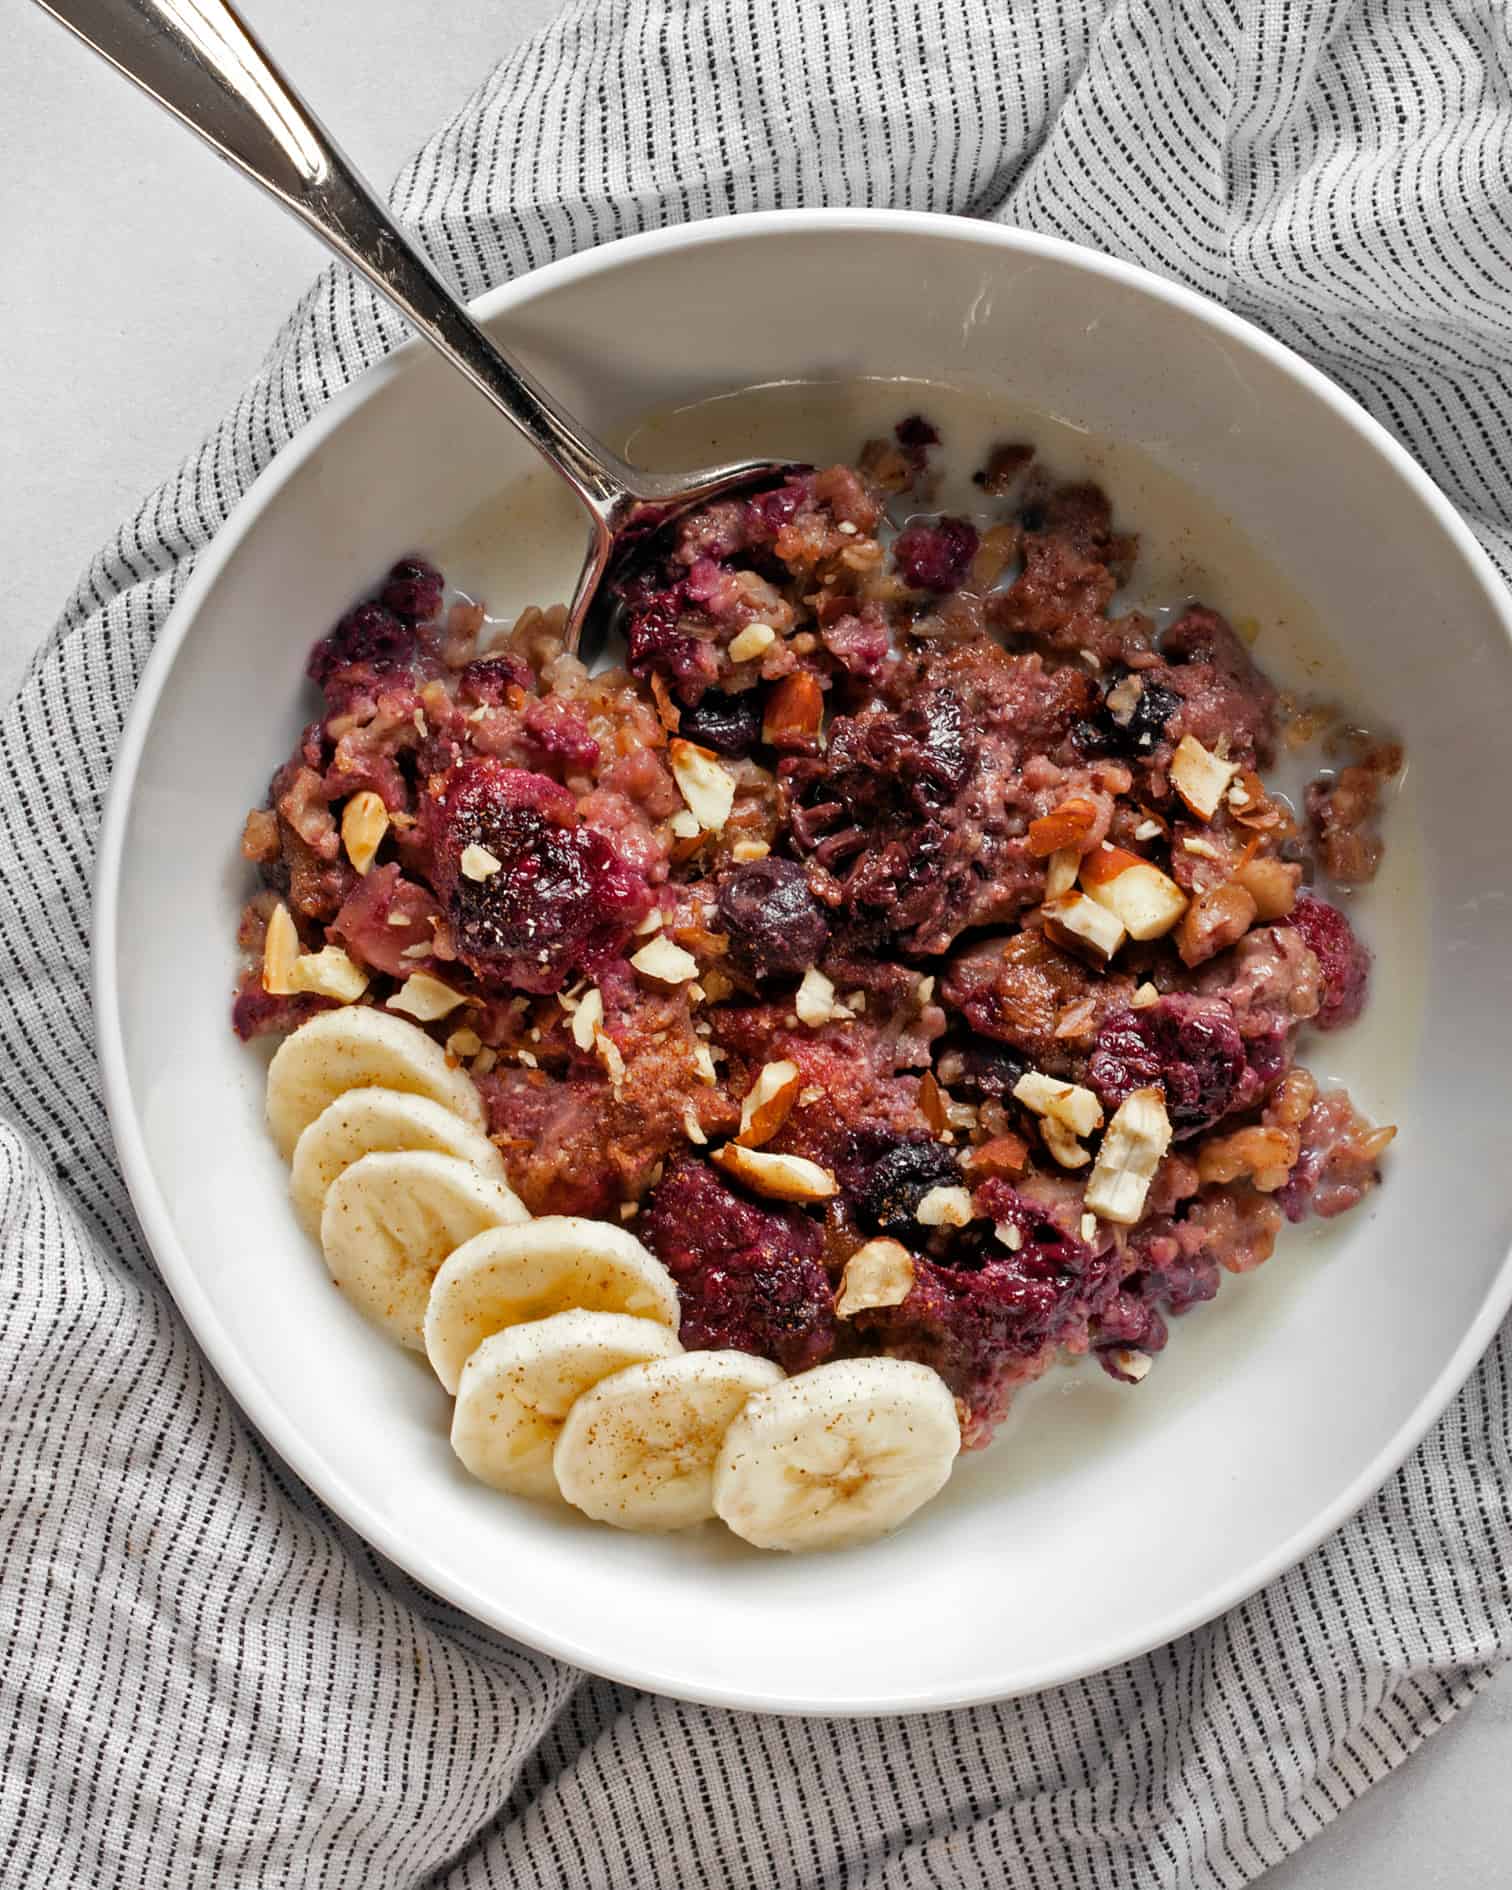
(207, 1680)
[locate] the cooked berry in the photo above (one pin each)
(368, 644)
(1190, 1046)
(1342, 958)
(730, 725)
(776, 927)
(561, 900)
(885, 1176)
(413, 589)
(936, 557)
(750, 1277)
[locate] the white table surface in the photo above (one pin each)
(143, 282)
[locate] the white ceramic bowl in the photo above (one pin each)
(1102, 1525)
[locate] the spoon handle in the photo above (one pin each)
(200, 61)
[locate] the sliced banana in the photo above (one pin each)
(520, 1384)
(391, 1219)
(359, 1048)
(638, 1450)
(374, 1122)
(546, 1266)
(837, 1455)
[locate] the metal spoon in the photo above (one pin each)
(200, 62)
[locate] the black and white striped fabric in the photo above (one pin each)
(209, 1681)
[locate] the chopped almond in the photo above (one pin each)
(704, 782)
(364, 822)
(945, 1206)
(1079, 924)
(815, 1001)
(879, 1274)
(664, 961)
(463, 1043)
(1132, 1150)
(779, 1177)
(1199, 777)
(1068, 1103)
(330, 974)
(746, 850)
(1144, 997)
(280, 952)
(768, 1103)
(1062, 1144)
(1064, 826)
(1132, 1363)
(751, 642)
(794, 712)
(1145, 901)
(478, 863)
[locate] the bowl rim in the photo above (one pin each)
(220, 1344)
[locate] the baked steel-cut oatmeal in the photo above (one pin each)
(904, 945)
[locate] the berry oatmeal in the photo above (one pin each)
(905, 945)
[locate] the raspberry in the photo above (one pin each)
(1343, 960)
(370, 642)
(750, 1277)
(413, 589)
(562, 900)
(936, 557)
(1190, 1046)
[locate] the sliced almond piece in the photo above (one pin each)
(684, 823)
(666, 962)
(1060, 873)
(463, 1043)
(780, 1177)
(1078, 924)
(1144, 997)
(948, 1205)
(1063, 826)
(329, 973)
(1132, 1150)
(746, 850)
(280, 952)
(1132, 1363)
(751, 641)
(704, 782)
(879, 1274)
(478, 863)
(1145, 901)
(588, 1018)
(768, 1103)
(364, 822)
(1199, 777)
(1068, 1103)
(425, 998)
